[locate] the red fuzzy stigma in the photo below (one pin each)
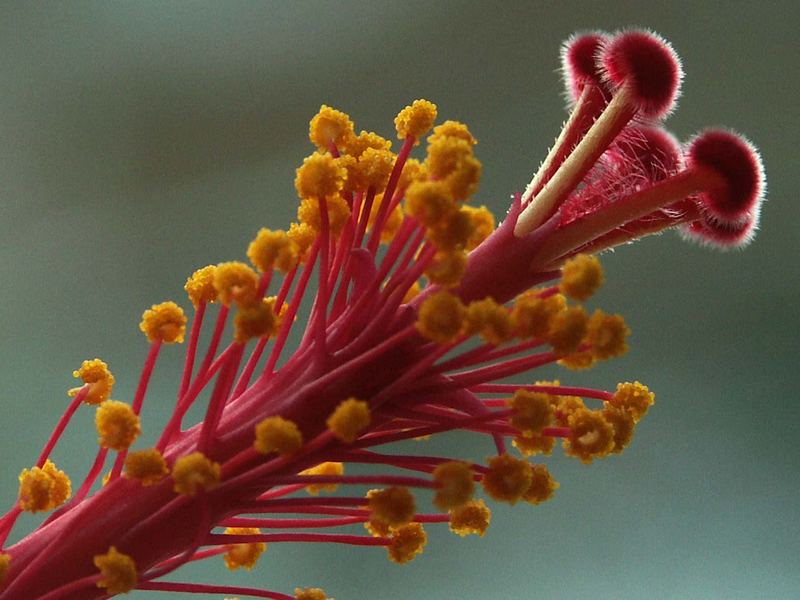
(738, 162)
(721, 235)
(647, 66)
(579, 62)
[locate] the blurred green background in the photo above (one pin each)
(141, 140)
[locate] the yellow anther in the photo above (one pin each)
(273, 250)
(581, 275)
(565, 406)
(447, 268)
(445, 156)
(117, 425)
(164, 322)
(532, 316)
(394, 505)
(578, 361)
(303, 237)
(43, 488)
(415, 120)
(61, 490)
(607, 335)
(34, 490)
(413, 171)
(356, 145)
(623, 424)
(195, 472)
(533, 445)
(243, 555)
(352, 181)
(96, 375)
(5, 565)
(634, 398)
(256, 321)
(412, 292)
(276, 434)
(508, 478)
(235, 282)
(377, 528)
(452, 129)
(407, 542)
(310, 594)
(441, 318)
(319, 176)
(429, 202)
(455, 485)
(453, 232)
(117, 570)
(591, 435)
(200, 286)
(349, 420)
(533, 412)
(489, 319)
(338, 213)
(373, 169)
(542, 487)
(326, 468)
(472, 518)
(567, 329)
(463, 180)
(330, 126)
(482, 225)
(148, 467)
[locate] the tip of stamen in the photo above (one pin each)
(737, 161)
(647, 67)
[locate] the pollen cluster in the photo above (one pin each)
(310, 594)
(508, 478)
(349, 419)
(200, 286)
(194, 473)
(117, 570)
(276, 434)
(256, 321)
(633, 398)
(326, 468)
(117, 425)
(455, 485)
(43, 488)
(407, 542)
(148, 467)
(235, 282)
(244, 555)
(473, 518)
(164, 322)
(392, 506)
(96, 375)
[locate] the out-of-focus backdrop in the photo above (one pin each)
(141, 140)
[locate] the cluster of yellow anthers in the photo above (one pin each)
(434, 192)
(402, 342)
